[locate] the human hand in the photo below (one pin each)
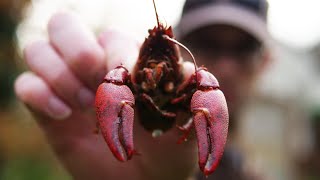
(59, 90)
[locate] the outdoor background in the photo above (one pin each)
(280, 128)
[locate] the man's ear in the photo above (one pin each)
(267, 59)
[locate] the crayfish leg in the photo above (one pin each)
(186, 128)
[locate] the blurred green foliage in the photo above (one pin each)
(6, 85)
(8, 69)
(31, 168)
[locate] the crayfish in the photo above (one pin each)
(156, 90)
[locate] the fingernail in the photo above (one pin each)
(57, 109)
(86, 97)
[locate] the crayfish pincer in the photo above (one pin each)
(156, 90)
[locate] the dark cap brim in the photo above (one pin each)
(227, 14)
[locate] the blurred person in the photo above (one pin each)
(231, 39)
(228, 37)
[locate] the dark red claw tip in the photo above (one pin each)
(211, 165)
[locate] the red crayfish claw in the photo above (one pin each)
(210, 119)
(114, 106)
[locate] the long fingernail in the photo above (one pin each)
(86, 97)
(57, 109)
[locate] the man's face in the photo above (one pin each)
(234, 57)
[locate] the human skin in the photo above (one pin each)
(59, 90)
(237, 72)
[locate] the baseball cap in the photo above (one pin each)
(247, 15)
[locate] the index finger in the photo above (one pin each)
(78, 47)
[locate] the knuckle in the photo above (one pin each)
(59, 76)
(31, 50)
(85, 58)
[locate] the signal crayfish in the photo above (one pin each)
(156, 90)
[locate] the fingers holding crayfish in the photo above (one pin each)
(115, 114)
(45, 62)
(32, 90)
(78, 47)
(211, 119)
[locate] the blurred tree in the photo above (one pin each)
(10, 15)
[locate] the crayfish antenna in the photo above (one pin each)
(155, 9)
(185, 48)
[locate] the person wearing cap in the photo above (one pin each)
(231, 38)
(60, 95)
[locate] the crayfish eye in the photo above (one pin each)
(152, 65)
